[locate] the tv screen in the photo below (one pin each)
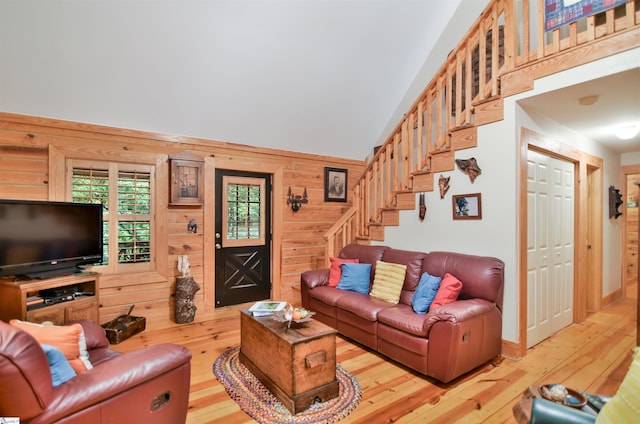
(43, 239)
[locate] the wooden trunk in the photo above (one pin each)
(298, 365)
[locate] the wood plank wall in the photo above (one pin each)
(33, 152)
(631, 234)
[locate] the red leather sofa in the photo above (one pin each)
(150, 385)
(444, 343)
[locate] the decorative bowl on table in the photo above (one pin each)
(563, 395)
(293, 315)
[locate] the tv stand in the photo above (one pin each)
(22, 300)
(53, 273)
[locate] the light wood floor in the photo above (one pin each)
(593, 356)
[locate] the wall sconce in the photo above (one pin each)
(615, 201)
(296, 201)
(192, 227)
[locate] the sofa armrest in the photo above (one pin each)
(465, 334)
(311, 279)
(315, 278)
(115, 377)
(458, 311)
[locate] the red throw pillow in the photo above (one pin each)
(448, 292)
(335, 272)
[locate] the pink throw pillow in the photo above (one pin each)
(448, 292)
(335, 272)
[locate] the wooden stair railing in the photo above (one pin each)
(465, 93)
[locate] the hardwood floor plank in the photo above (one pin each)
(593, 355)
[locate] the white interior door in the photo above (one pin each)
(550, 250)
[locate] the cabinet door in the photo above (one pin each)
(54, 313)
(82, 309)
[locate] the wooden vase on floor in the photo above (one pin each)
(186, 288)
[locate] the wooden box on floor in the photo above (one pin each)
(123, 327)
(297, 365)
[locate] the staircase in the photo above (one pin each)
(495, 59)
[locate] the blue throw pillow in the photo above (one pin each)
(61, 371)
(425, 293)
(355, 277)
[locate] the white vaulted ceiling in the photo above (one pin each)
(318, 76)
(331, 77)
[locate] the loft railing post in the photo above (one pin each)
(510, 33)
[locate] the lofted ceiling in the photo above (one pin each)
(330, 77)
(617, 104)
(316, 76)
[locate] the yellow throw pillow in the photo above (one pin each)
(624, 407)
(388, 281)
(67, 338)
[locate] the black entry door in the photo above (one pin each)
(243, 237)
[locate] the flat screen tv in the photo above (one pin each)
(41, 239)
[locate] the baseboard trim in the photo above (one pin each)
(513, 350)
(611, 297)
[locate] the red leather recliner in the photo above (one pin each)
(150, 385)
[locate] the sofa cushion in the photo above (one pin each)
(425, 293)
(482, 276)
(335, 271)
(388, 281)
(61, 370)
(413, 262)
(362, 305)
(402, 317)
(355, 277)
(327, 295)
(366, 254)
(68, 338)
(448, 292)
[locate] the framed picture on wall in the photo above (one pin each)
(186, 187)
(467, 206)
(335, 184)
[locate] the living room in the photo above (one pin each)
(41, 148)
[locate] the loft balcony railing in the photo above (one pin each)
(509, 35)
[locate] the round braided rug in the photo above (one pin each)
(257, 401)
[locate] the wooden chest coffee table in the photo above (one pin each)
(298, 365)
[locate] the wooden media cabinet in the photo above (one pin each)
(19, 299)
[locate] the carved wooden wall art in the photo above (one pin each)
(423, 208)
(443, 183)
(469, 167)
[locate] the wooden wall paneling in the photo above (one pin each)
(207, 287)
(631, 245)
(630, 217)
(23, 171)
(160, 199)
(298, 243)
(148, 291)
(58, 187)
(630, 237)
